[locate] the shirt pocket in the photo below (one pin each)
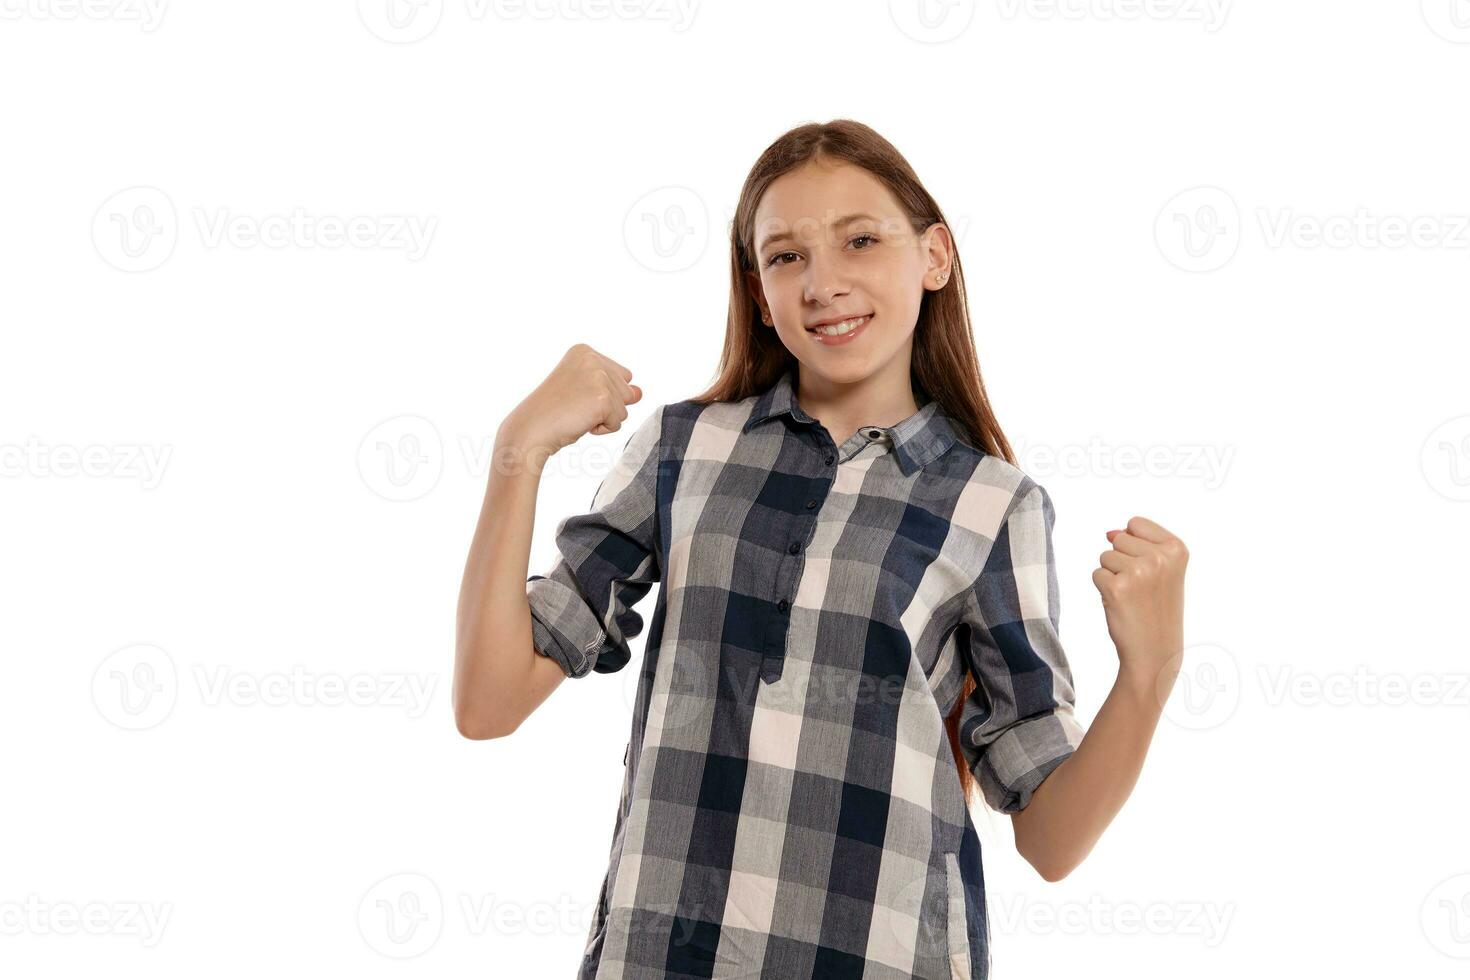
(957, 926)
(599, 916)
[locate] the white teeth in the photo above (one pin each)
(837, 329)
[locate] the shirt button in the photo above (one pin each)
(810, 504)
(795, 547)
(873, 433)
(830, 459)
(783, 605)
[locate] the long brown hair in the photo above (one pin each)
(943, 365)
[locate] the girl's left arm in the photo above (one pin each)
(1141, 580)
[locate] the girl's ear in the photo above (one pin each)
(753, 283)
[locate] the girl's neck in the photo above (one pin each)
(884, 398)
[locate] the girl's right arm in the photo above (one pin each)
(499, 679)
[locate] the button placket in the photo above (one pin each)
(788, 576)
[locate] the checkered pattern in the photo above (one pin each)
(790, 807)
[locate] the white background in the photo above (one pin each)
(178, 634)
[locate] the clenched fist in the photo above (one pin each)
(586, 392)
(1141, 580)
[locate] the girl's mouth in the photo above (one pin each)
(833, 334)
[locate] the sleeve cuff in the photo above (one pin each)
(576, 638)
(1017, 762)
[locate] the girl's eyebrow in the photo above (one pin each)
(837, 223)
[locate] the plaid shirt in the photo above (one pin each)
(790, 806)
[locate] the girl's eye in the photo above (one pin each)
(773, 259)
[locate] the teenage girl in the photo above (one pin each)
(856, 632)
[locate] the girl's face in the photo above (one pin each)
(832, 244)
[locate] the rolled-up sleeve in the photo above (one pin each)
(582, 613)
(1019, 723)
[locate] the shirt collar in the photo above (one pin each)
(919, 439)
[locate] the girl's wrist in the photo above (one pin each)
(519, 450)
(1150, 685)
